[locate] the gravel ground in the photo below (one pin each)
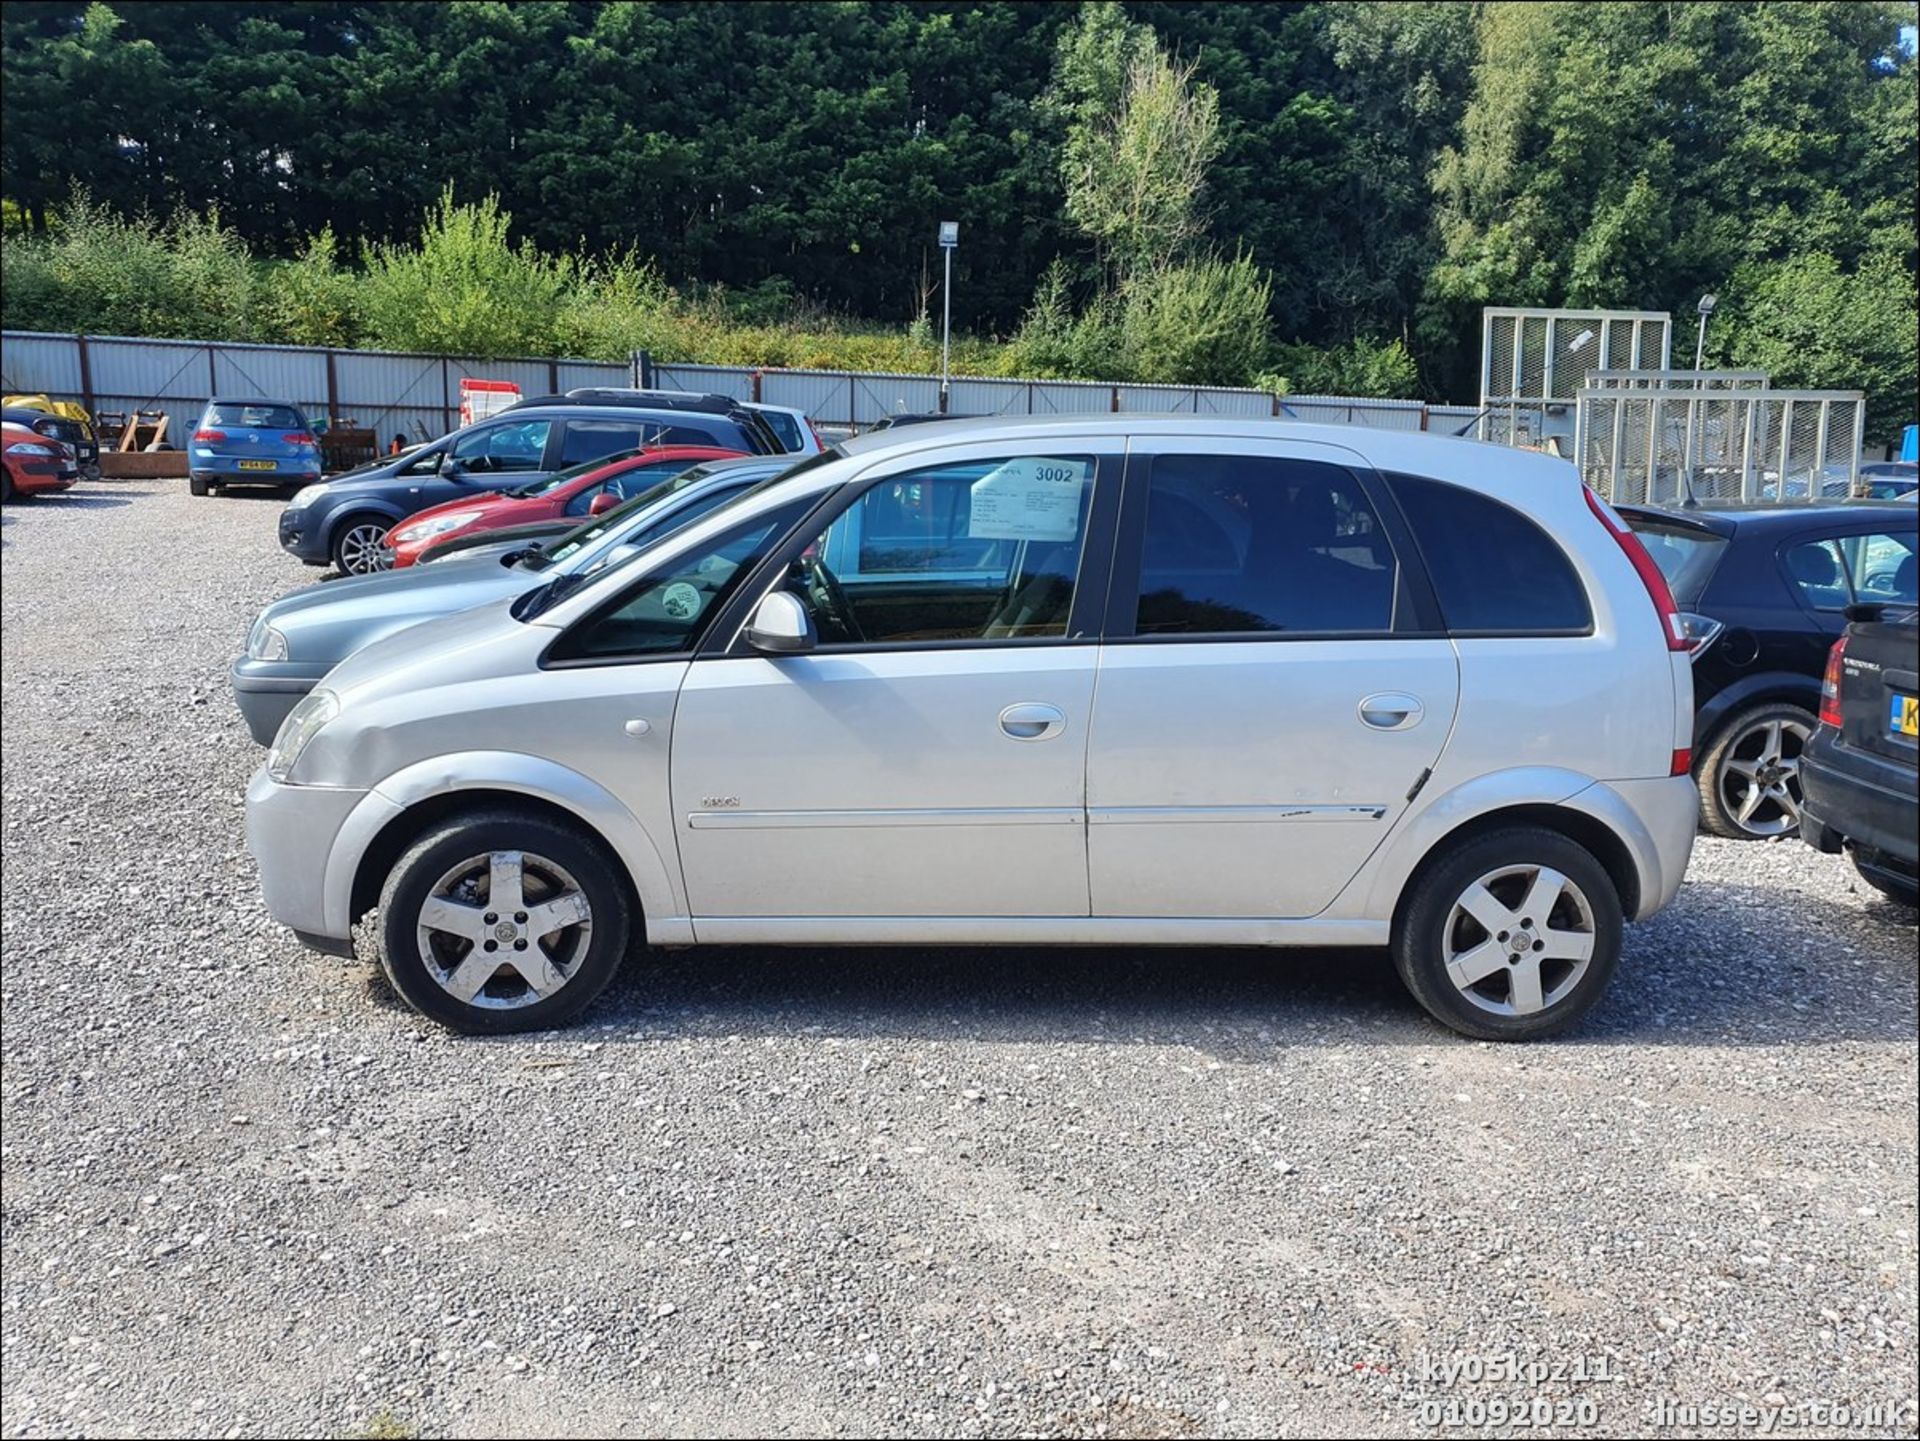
(1130, 1193)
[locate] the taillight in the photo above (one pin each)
(819, 439)
(1830, 684)
(1657, 590)
(210, 435)
(298, 437)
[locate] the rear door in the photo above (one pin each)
(1273, 687)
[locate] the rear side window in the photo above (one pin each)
(1240, 544)
(786, 427)
(591, 439)
(254, 417)
(1493, 570)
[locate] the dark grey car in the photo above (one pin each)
(300, 637)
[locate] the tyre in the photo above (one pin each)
(503, 921)
(6, 486)
(357, 547)
(1901, 893)
(199, 485)
(1510, 935)
(1749, 779)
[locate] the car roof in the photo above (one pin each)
(1384, 449)
(251, 400)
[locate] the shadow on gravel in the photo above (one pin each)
(79, 500)
(1728, 966)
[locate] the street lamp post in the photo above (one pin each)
(1707, 302)
(949, 241)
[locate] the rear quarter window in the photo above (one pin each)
(1494, 571)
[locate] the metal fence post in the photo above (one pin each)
(446, 400)
(553, 377)
(86, 374)
(333, 389)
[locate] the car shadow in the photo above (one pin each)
(1725, 965)
(78, 500)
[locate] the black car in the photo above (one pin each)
(69, 432)
(1861, 773)
(343, 522)
(1766, 589)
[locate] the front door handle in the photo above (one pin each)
(1392, 711)
(1031, 721)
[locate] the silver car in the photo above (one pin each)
(1137, 680)
(300, 637)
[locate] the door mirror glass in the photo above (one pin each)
(781, 625)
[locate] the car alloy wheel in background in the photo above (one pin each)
(1753, 774)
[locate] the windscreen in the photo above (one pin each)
(1686, 555)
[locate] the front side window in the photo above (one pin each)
(982, 550)
(1237, 544)
(1494, 571)
(517, 445)
(666, 611)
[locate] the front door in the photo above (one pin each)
(927, 759)
(1261, 728)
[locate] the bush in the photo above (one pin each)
(310, 300)
(1373, 368)
(1198, 324)
(465, 290)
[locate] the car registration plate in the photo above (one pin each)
(1904, 719)
(259, 465)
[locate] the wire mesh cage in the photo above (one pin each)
(1657, 444)
(1534, 364)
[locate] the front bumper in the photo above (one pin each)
(1850, 796)
(42, 477)
(265, 690)
(291, 832)
(303, 536)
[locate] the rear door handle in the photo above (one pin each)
(1392, 711)
(1031, 721)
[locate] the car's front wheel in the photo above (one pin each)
(1749, 779)
(1510, 935)
(503, 921)
(359, 545)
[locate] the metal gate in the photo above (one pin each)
(1534, 363)
(1699, 441)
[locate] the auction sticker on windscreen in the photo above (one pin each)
(1032, 498)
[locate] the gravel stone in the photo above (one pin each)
(920, 1191)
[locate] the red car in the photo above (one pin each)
(589, 489)
(34, 463)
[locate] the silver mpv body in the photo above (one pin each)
(1095, 679)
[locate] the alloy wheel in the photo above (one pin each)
(1759, 778)
(505, 929)
(1519, 939)
(362, 549)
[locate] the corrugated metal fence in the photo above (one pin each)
(418, 395)
(390, 392)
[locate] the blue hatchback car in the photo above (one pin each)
(251, 442)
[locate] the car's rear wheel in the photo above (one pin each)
(1510, 935)
(358, 545)
(1749, 779)
(503, 921)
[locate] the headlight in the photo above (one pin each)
(306, 496)
(265, 643)
(28, 447)
(302, 724)
(439, 525)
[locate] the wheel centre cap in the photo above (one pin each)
(506, 931)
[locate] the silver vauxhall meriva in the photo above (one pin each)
(1185, 681)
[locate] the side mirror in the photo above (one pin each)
(605, 501)
(781, 625)
(450, 469)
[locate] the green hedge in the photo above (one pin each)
(465, 288)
